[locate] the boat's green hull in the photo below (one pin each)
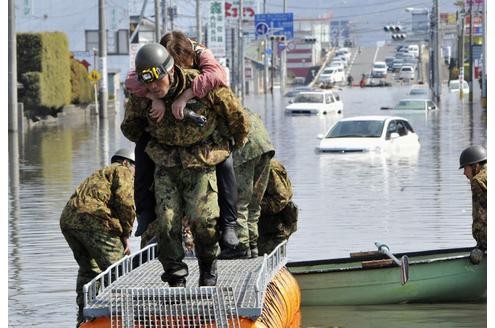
(443, 276)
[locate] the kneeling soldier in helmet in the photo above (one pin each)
(97, 220)
(474, 162)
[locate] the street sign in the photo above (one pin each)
(268, 51)
(278, 24)
(262, 29)
(94, 75)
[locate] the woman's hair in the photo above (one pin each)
(179, 46)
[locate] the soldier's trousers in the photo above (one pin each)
(144, 196)
(227, 191)
(94, 252)
(252, 179)
(192, 193)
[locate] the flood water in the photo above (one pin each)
(413, 201)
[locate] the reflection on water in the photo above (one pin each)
(396, 316)
(413, 201)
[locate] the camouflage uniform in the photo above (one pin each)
(185, 156)
(279, 214)
(479, 191)
(252, 168)
(98, 215)
(149, 233)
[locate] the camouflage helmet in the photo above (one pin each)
(123, 153)
(472, 155)
(153, 62)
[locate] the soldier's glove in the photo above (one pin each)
(199, 120)
(476, 255)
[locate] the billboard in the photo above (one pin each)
(216, 27)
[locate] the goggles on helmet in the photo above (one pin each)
(150, 75)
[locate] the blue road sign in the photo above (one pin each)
(278, 24)
(262, 29)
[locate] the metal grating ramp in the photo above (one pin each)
(133, 295)
(173, 307)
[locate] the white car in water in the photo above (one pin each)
(412, 105)
(407, 72)
(363, 134)
(316, 102)
(454, 86)
(379, 69)
(332, 75)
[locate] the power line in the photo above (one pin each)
(337, 7)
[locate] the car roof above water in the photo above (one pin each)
(372, 118)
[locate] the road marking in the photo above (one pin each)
(376, 54)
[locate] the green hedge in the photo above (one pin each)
(44, 70)
(82, 88)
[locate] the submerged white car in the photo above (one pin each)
(316, 102)
(412, 105)
(455, 86)
(369, 134)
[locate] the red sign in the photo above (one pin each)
(232, 11)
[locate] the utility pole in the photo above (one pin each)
(483, 73)
(241, 53)
(158, 32)
(102, 44)
(172, 11)
(272, 68)
(233, 63)
(265, 57)
(198, 22)
(283, 59)
(13, 124)
(471, 61)
(164, 15)
(461, 56)
(436, 61)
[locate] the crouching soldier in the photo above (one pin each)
(278, 220)
(252, 169)
(97, 220)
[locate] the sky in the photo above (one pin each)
(366, 16)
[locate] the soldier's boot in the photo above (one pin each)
(144, 219)
(254, 252)
(227, 201)
(239, 252)
(229, 237)
(175, 278)
(207, 273)
(80, 319)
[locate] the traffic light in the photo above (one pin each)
(279, 38)
(397, 31)
(400, 36)
(392, 28)
(310, 40)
